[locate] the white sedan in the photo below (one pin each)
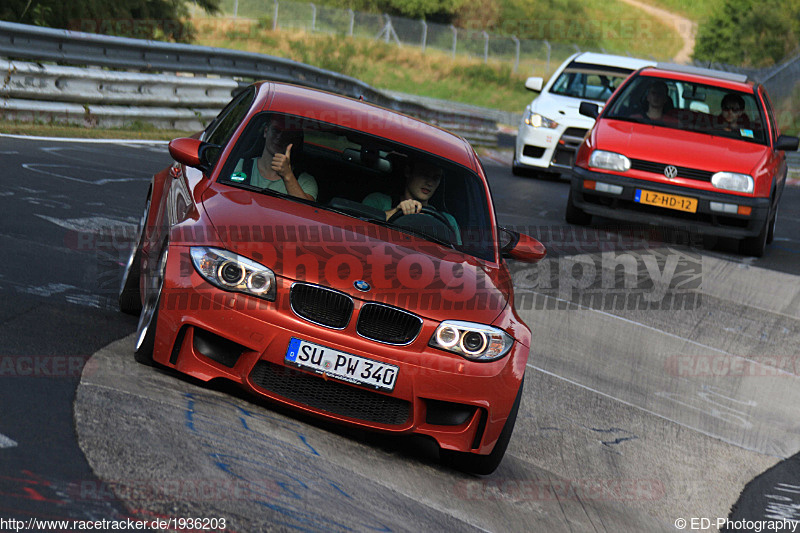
(552, 128)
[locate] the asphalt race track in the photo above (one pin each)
(663, 379)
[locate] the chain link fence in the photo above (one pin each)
(519, 55)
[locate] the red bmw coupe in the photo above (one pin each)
(339, 258)
(688, 147)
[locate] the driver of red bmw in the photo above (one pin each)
(422, 180)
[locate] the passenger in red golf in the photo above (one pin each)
(732, 116)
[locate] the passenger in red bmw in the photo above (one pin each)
(274, 170)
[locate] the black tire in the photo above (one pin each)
(755, 246)
(483, 465)
(771, 230)
(516, 169)
(575, 215)
(130, 299)
(148, 319)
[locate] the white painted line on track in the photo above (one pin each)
(627, 320)
(80, 140)
(5, 442)
(648, 411)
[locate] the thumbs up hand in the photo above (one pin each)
(282, 163)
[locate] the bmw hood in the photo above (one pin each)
(304, 243)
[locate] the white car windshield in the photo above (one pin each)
(589, 83)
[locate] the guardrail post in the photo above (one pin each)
(516, 54)
(547, 44)
(352, 22)
(575, 46)
(485, 47)
(313, 17)
(235, 8)
(275, 17)
(455, 38)
(424, 34)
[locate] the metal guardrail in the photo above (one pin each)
(34, 81)
(70, 47)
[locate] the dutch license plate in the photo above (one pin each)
(341, 365)
(669, 201)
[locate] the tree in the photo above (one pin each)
(145, 19)
(752, 33)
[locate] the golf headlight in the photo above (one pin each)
(233, 272)
(478, 342)
(732, 181)
(609, 161)
(539, 121)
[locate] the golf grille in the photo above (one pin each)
(329, 395)
(683, 172)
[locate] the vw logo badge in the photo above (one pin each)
(670, 172)
(361, 285)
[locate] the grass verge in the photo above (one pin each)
(139, 132)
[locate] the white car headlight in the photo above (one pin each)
(232, 272)
(732, 181)
(478, 342)
(539, 121)
(609, 161)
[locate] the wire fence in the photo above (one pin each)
(528, 56)
(519, 55)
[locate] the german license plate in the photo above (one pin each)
(341, 365)
(669, 201)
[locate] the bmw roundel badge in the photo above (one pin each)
(361, 285)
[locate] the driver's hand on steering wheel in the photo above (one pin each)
(408, 207)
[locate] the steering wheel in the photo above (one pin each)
(426, 210)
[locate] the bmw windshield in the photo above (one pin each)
(367, 177)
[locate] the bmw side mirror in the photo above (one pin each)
(520, 246)
(588, 109)
(193, 153)
(787, 143)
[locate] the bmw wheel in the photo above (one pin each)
(472, 463)
(148, 320)
(130, 299)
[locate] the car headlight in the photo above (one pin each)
(609, 161)
(478, 342)
(732, 181)
(232, 272)
(539, 121)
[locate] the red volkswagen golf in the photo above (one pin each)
(687, 147)
(341, 259)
